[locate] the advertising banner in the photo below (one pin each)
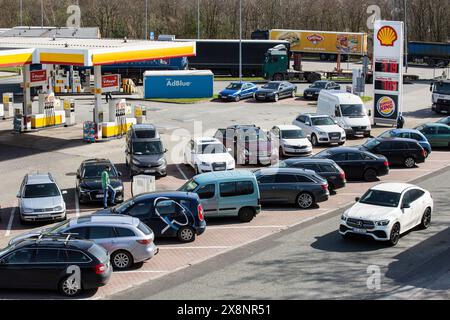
(38, 78)
(111, 83)
(388, 71)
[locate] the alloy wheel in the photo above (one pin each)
(305, 201)
(121, 260)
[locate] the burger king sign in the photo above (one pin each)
(386, 106)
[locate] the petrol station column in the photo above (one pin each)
(98, 97)
(27, 102)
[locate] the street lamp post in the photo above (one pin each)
(146, 19)
(406, 35)
(42, 13)
(198, 19)
(21, 12)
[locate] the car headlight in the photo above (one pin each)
(58, 208)
(161, 162)
(27, 210)
(347, 127)
(119, 188)
(344, 217)
(83, 190)
(382, 223)
(231, 163)
(204, 163)
(322, 134)
(136, 162)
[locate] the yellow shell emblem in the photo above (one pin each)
(387, 36)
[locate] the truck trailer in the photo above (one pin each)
(431, 53)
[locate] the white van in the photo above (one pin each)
(347, 110)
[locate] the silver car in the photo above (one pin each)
(127, 240)
(40, 199)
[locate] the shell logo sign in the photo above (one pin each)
(387, 36)
(386, 107)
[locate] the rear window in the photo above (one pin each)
(234, 189)
(145, 134)
(328, 168)
(124, 233)
(98, 252)
(144, 229)
(44, 190)
(415, 146)
(74, 256)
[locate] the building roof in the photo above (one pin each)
(51, 32)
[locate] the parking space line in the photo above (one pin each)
(77, 205)
(144, 271)
(202, 248)
(10, 222)
(181, 171)
(246, 227)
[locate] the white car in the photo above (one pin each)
(208, 155)
(388, 210)
(321, 128)
(293, 141)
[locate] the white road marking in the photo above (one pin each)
(11, 219)
(246, 227)
(77, 205)
(206, 247)
(144, 271)
(181, 171)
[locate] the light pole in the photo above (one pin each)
(240, 40)
(21, 13)
(146, 19)
(406, 35)
(198, 19)
(42, 13)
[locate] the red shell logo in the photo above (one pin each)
(386, 106)
(387, 36)
(315, 38)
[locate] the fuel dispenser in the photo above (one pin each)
(140, 113)
(8, 106)
(118, 124)
(48, 115)
(69, 109)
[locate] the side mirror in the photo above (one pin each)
(64, 192)
(308, 124)
(406, 206)
(18, 195)
(357, 199)
(431, 88)
(165, 150)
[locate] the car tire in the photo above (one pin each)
(276, 98)
(426, 219)
(305, 200)
(68, 287)
(280, 153)
(186, 235)
(237, 99)
(246, 215)
(409, 162)
(121, 260)
(314, 140)
(395, 235)
(370, 175)
(294, 94)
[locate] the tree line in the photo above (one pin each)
(427, 20)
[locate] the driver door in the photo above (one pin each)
(408, 217)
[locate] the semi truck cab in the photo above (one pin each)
(276, 63)
(440, 96)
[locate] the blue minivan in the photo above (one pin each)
(227, 194)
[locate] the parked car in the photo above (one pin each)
(49, 262)
(40, 199)
(438, 134)
(293, 141)
(445, 121)
(168, 214)
(409, 134)
(321, 128)
(398, 151)
(387, 211)
(312, 92)
(347, 110)
(276, 90)
(326, 168)
(357, 164)
(227, 194)
(249, 144)
(127, 240)
(89, 182)
(145, 153)
(237, 91)
(304, 188)
(208, 155)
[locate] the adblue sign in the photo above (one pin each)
(178, 83)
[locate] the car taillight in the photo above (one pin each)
(342, 175)
(100, 268)
(424, 153)
(325, 187)
(386, 164)
(200, 212)
(144, 242)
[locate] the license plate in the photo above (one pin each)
(356, 230)
(44, 216)
(149, 171)
(100, 196)
(359, 133)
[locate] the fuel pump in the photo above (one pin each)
(8, 105)
(117, 115)
(140, 114)
(69, 109)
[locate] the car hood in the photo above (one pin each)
(151, 159)
(228, 92)
(371, 212)
(296, 142)
(329, 129)
(96, 184)
(357, 122)
(313, 90)
(41, 203)
(219, 157)
(266, 91)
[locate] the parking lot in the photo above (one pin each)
(61, 150)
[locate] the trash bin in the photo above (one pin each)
(143, 184)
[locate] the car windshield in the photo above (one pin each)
(95, 171)
(442, 87)
(235, 86)
(43, 190)
(147, 148)
(271, 86)
(59, 227)
(445, 120)
(319, 85)
(254, 135)
(381, 198)
(189, 186)
(123, 207)
(322, 154)
(322, 121)
(213, 148)
(352, 110)
(388, 134)
(293, 134)
(371, 144)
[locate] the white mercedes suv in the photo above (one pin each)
(321, 128)
(387, 211)
(208, 155)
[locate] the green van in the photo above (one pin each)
(438, 134)
(227, 194)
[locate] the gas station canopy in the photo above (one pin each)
(20, 51)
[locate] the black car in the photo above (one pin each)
(312, 93)
(169, 214)
(357, 164)
(145, 153)
(52, 263)
(326, 168)
(89, 181)
(303, 188)
(399, 151)
(276, 90)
